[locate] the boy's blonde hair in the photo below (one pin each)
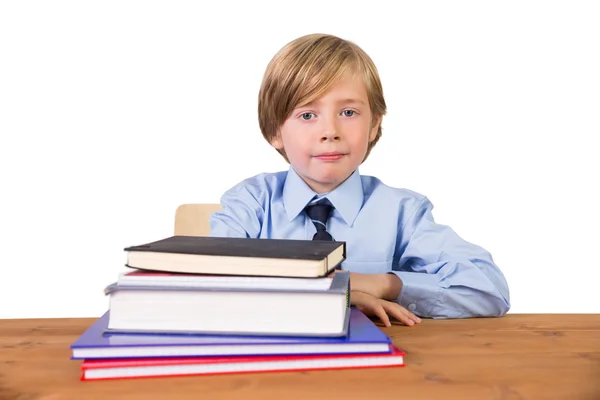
(306, 68)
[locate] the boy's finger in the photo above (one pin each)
(402, 314)
(412, 316)
(382, 315)
(405, 320)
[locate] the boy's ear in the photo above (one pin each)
(277, 142)
(375, 128)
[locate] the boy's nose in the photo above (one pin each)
(330, 132)
(333, 136)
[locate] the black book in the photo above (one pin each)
(238, 256)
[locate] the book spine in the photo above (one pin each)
(348, 295)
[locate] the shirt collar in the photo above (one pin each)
(347, 199)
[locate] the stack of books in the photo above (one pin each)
(203, 305)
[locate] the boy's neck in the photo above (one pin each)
(321, 190)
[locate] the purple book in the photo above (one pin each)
(363, 337)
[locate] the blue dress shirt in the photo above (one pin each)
(386, 230)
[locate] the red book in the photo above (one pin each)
(163, 367)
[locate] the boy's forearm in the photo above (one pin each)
(382, 286)
(465, 293)
(392, 286)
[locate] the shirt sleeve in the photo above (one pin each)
(445, 276)
(241, 214)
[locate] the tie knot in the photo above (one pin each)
(319, 214)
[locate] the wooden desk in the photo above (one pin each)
(516, 357)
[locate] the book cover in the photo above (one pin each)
(97, 342)
(155, 278)
(299, 311)
(164, 367)
(337, 285)
(238, 256)
(243, 247)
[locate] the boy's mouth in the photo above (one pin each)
(333, 156)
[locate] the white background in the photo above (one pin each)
(112, 113)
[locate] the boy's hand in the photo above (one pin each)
(370, 306)
(381, 286)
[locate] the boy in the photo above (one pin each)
(320, 105)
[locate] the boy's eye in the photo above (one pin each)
(306, 116)
(348, 113)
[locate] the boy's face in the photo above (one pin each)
(326, 140)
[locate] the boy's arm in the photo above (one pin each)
(444, 276)
(241, 214)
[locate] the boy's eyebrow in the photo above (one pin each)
(350, 100)
(342, 101)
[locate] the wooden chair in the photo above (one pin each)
(193, 219)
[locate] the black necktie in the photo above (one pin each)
(319, 214)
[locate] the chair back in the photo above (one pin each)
(194, 219)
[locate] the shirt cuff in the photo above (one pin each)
(420, 292)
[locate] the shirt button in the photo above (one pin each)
(412, 307)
